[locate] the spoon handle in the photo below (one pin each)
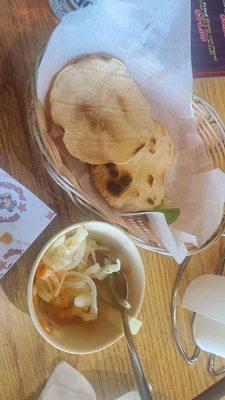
(142, 384)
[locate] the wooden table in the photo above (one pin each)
(26, 360)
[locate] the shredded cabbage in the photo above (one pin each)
(83, 300)
(93, 270)
(43, 291)
(69, 272)
(58, 242)
(78, 256)
(92, 313)
(108, 269)
(67, 253)
(60, 285)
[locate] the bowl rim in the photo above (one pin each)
(34, 267)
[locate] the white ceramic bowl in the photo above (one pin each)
(96, 335)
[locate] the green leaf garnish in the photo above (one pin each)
(171, 214)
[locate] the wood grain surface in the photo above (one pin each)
(26, 360)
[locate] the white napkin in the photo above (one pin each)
(66, 383)
(206, 297)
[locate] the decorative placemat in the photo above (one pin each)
(22, 218)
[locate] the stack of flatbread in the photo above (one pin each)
(107, 123)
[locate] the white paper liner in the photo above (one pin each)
(154, 43)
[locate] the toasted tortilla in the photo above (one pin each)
(101, 110)
(138, 185)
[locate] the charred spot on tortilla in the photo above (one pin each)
(114, 188)
(113, 171)
(150, 201)
(150, 180)
(94, 122)
(152, 145)
(125, 180)
(117, 187)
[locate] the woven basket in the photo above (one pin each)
(210, 128)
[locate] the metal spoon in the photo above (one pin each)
(119, 289)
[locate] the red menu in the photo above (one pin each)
(208, 38)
